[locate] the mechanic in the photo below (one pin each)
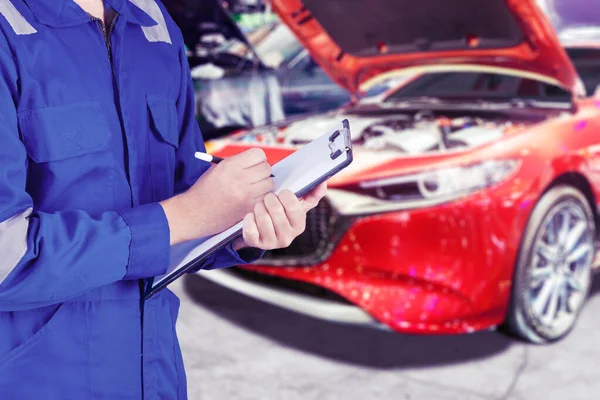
(97, 180)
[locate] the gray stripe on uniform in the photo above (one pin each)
(13, 242)
(156, 33)
(15, 19)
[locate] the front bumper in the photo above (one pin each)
(321, 308)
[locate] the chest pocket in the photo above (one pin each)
(164, 141)
(62, 132)
(68, 146)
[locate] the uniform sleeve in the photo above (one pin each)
(189, 169)
(48, 258)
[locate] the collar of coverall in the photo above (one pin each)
(65, 13)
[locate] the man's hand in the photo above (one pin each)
(220, 198)
(278, 220)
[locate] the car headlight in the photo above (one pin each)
(460, 180)
(424, 189)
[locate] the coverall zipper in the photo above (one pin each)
(106, 34)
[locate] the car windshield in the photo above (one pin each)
(576, 24)
(587, 63)
(478, 86)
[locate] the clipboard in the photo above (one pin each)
(300, 172)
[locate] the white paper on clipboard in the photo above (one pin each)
(299, 172)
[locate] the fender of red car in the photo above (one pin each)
(357, 42)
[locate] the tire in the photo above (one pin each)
(549, 288)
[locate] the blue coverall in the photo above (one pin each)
(93, 134)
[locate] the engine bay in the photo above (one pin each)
(407, 133)
(425, 132)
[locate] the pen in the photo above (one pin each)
(211, 159)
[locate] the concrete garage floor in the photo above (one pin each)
(239, 348)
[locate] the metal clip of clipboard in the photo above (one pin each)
(335, 150)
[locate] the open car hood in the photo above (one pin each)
(361, 42)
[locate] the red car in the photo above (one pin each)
(472, 199)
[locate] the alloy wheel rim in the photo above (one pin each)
(560, 276)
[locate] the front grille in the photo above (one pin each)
(292, 285)
(324, 229)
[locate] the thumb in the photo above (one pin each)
(313, 198)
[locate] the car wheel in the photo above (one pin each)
(553, 272)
